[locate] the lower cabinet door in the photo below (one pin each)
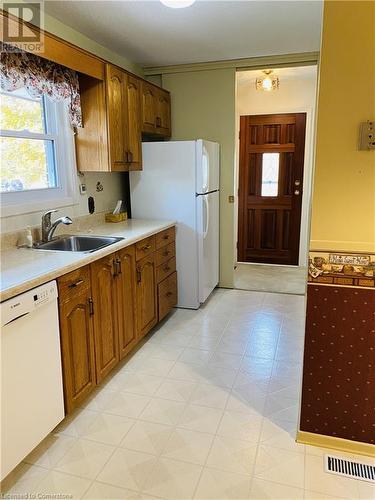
(105, 322)
(126, 300)
(147, 315)
(77, 346)
(167, 295)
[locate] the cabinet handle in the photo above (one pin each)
(91, 306)
(77, 283)
(169, 294)
(119, 270)
(166, 237)
(158, 121)
(126, 157)
(166, 253)
(115, 268)
(130, 157)
(139, 276)
(146, 247)
(167, 268)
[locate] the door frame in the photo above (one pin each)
(307, 184)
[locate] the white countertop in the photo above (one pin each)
(24, 268)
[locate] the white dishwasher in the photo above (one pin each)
(32, 401)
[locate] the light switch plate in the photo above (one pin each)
(82, 188)
(367, 136)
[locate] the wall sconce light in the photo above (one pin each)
(268, 82)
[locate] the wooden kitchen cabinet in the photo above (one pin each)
(110, 140)
(147, 315)
(163, 113)
(105, 311)
(126, 300)
(156, 110)
(77, 337)
(108, 306)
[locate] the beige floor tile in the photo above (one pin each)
(169, 352)
(232, 455)
(108, 429)
(135, 382)
(147, 437)
(124, 404)
(316, 479)
(189, 446)
(201, 419)
(173, 480)
(76, 423)
(57, 483)
(225, 360)
(157, 367)
(50, 450)
(101, 491)
(163, 411)
(195, 356)
(23, 479)
(266, 490)
(176, 390)
(314, 495)
(127, 469)
(218, 485)
(280, 434)
(187, 371)
(280, 466)
(210, 395)
(241, 425)
(247, 398)
(85, 458)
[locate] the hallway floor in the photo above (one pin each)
(270, 278)
(207, 408)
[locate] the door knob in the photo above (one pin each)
(297, 182)
(296, 192)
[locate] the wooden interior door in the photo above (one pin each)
(105, 316)
(270, 187)
(126, 300)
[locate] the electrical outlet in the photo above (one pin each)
(367, 136)
(82, 188)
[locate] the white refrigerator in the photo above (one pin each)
(180, 181)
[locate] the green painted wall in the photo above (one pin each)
(203, 107)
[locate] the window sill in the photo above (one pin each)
(11, 210)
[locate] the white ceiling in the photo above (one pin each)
(151, 34)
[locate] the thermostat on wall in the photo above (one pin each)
(367, 136)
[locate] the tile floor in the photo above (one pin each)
(207, 408)
(269, 278)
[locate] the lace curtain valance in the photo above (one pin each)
(41, 77)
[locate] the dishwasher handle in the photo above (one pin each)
(15, 319)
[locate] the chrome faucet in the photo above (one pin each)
(48, 228)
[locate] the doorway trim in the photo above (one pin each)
(307, 177)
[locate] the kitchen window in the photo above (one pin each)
(36, 148)
(40, 106)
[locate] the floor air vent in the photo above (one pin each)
(349, 468)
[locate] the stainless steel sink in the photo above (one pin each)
(78, 243)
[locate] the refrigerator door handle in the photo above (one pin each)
(207, 212)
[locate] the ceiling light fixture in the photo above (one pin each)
(268, 82)
(177, 4)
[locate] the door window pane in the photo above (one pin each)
(270, 174)
(26, 164)
(21, 112)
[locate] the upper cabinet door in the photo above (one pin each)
(134, 143)
(148, 108)
(117, 117)
(163, 113)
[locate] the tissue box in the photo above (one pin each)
(116, 217)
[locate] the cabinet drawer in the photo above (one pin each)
(165, 269)
(165, 237)
(73, 283)
(167, 295)
(145, 247)
(165, 253)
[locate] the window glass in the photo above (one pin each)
(270, 174)
(27, 151)
(21, 112)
